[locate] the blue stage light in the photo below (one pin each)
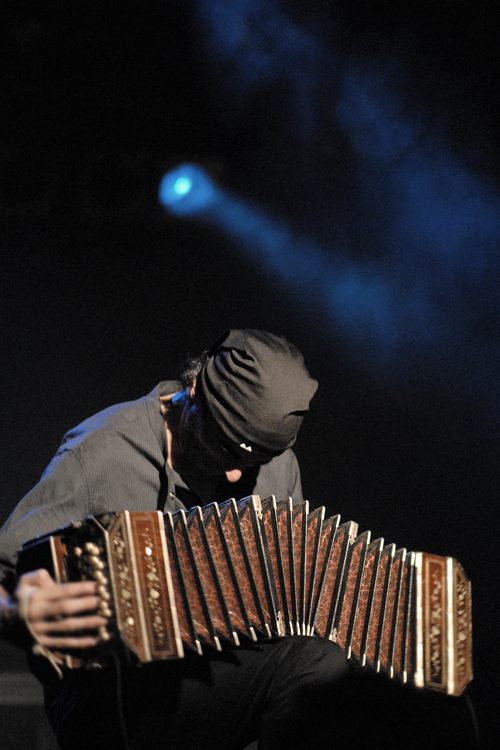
(187, 190)
(183, 185)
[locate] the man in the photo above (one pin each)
(225, 430)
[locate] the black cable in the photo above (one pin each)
(473, 719)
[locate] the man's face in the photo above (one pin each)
(205, 449)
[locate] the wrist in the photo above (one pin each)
(12, 627)
(9, 610)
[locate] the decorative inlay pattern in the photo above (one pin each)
(463, 634)
(126, 603)
(152, 573)
(435, 614)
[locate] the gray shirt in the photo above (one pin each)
(117, 460)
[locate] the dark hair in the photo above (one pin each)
(187, 415)
(191, 368)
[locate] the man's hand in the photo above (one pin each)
(56, 612)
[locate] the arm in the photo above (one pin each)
(36, 607)
(61, 496)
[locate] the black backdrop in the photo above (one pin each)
(103, 295)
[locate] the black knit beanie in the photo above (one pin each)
(256, 387)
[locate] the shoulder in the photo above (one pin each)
(109, 420)
(116, 421)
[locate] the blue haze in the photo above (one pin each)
(430, 283)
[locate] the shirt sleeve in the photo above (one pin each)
(60, 496)
(295, 491)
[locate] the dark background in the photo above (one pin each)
(103, 294)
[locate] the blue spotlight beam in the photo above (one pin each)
(355, 298)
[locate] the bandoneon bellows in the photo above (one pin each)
(243, 570)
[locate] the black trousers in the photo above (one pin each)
(291, 694)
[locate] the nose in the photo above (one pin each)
(234, 475)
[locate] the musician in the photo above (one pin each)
(225, 430)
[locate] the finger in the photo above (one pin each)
(41, 609)
(69, 624)
(64, 590)
(68, 642)
(56, 592)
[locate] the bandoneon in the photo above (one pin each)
(233, 572)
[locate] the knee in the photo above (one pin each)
(306, 679)
(312, 663)
(328, 658)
